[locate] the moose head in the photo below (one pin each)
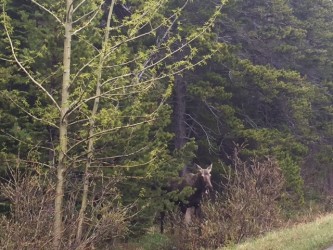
(205, 176)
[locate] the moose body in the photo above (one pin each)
(200, 183)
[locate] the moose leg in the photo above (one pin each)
(188, 215)
(162, 217)
(199, 215)
(198, 212)
(172, 220)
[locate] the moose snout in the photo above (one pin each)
(208, 187)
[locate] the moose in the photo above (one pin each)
(200, 184)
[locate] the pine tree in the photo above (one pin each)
(106, 99)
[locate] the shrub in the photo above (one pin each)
(248, 207)
(30, 222)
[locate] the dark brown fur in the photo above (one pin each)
(200, 183)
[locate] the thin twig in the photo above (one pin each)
(48, 11)
(22, 67)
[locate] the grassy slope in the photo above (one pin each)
(316, 235)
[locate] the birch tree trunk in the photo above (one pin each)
(63, 127)
(91, 140)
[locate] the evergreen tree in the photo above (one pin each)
(106, 101)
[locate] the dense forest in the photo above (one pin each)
(102, 102)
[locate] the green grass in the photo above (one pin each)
(316, 235)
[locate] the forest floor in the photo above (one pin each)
(316, 235)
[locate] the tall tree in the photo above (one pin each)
(249, 92)
(108, 110)
(63, 126)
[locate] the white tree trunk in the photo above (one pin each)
(63, 127)
(91, 140)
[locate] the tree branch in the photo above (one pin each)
(22, 67)
(30, 114)
(48, 11)
(88, 22)
(109, 131)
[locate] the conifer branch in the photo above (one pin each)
(24, 142)
(48, 11)
(126, 166)
(150, 82)
(95, 12)
(107, 131)
(21, 65)
(30, 114)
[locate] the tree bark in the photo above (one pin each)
(179, 109)
(63, 127)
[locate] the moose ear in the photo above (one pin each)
(199, 168)
(209, 168)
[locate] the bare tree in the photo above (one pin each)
(63, 126)
(94, 110)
